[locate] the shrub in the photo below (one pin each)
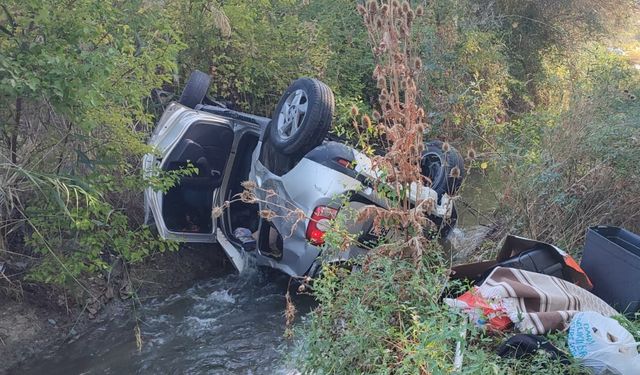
(389, 319)
(73, 79)
(576, 163)
(386, 319)
(465, 83)
(253, 50)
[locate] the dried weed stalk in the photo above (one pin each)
(253, 194)
(401, 121)
(138, 335)
(289, 315)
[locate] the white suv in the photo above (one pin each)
(302, 178)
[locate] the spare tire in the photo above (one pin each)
(437, 165)
(196, 89)
(302, 118)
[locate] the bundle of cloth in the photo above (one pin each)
(538, 303)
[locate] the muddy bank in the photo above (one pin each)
(41, 317)
(24, 329)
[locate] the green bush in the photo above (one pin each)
(385, 320)
(349, 62)
(73, 120)
(86, 242)
(465, 80)
(253, 49)
(77, 233)
(575, 163)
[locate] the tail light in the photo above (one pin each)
(319, 224)
(345, 163)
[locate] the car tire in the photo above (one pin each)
(437, 165)
(302, 118)
(196, 89)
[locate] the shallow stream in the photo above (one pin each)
(233, 324)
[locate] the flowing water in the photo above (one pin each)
(228, 325)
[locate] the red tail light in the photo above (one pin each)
(345, 163)
(319, 223)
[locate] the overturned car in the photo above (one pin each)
(294, 166)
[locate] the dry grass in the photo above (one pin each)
(587, 175)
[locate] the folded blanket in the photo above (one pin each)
(538, 303)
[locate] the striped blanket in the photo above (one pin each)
(538, 303)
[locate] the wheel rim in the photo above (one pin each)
(432, 167)
(292, 114)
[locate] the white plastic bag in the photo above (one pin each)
(603, 345)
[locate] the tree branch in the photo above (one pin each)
(14, 133)
(5, 30)
(12, 22)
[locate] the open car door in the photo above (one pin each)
(185, 137)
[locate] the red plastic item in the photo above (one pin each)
(490, 314)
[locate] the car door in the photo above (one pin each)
(185, 137)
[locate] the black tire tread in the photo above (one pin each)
(322, 112)
(195, 89)
(450, 160)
